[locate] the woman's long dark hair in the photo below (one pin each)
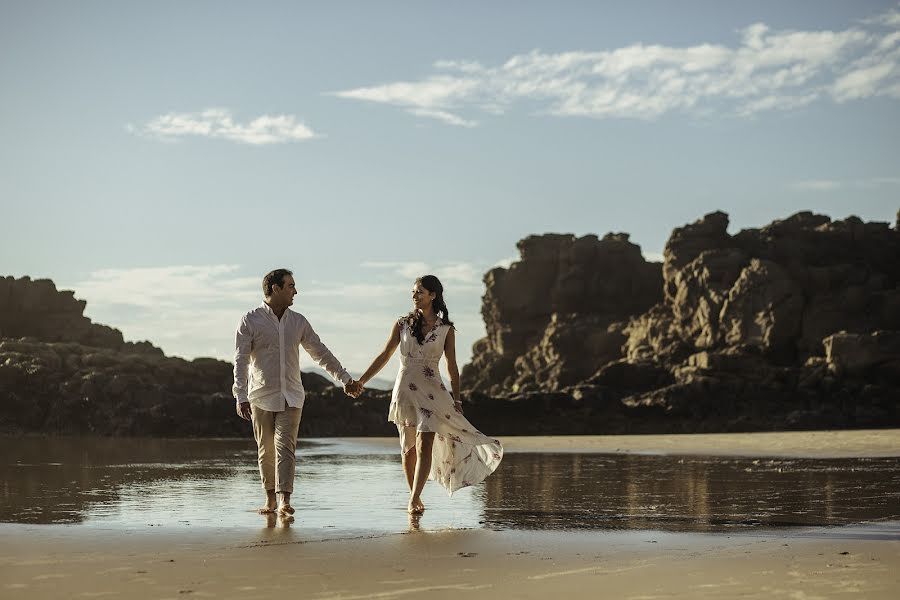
(415, 318)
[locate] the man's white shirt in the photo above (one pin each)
(267, 359)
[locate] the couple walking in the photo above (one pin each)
(436, 440)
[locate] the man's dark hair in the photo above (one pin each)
(275, 277)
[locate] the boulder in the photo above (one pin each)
(875, 354)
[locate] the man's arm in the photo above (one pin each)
(243, 343)
(320, 353)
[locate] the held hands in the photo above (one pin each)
(457, 404)
(353, 388)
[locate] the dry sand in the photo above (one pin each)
(798, 444)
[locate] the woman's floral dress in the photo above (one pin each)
(461, 455)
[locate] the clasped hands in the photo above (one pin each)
(353, 388)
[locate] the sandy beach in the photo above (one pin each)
(45, 563)
(260, 558)
(796, 444)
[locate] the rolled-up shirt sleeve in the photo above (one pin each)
(243, 343)
(322, 355)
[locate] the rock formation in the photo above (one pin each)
(38, 310)
(74, 389)
(550, 316)
(794, 325)
(60, 373)
(791, 325)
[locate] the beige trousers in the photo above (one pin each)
(276, 442)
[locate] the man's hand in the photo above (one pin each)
(353, 388)
(243, 410)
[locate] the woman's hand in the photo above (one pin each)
(353, 388)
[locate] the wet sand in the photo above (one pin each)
(74, 563)
(697, 527)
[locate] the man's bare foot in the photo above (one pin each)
(416, 507)
(285, 501)
(271, 504)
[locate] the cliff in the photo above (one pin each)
(557, 314)
(791, 325)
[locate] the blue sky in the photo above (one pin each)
(158, 158)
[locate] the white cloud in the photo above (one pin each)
(444, 116)
(877, 181)
(369, 291)
(890, 18)
(817, 185)
(408, 270)
(827, 185)
(862, 83)
(506, 262)
(193, 310)
(766, 70)
(162, 287)
(653, 256)
(218, 123)
(460, 272)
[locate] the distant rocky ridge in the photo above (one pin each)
(793, 325)
(37, 309)
(61, 373)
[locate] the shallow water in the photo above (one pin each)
(351, 487)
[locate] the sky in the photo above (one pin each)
(159, 158)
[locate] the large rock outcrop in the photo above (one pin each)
(555, 316)
(780, 289)
(792, 325)
(38, 310)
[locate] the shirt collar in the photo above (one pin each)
(268, 310)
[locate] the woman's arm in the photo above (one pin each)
(452, 368)
(385, 355)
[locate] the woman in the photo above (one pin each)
(436, 440)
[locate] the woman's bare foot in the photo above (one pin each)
(416, 507)
(271, 504)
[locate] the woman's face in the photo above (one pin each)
(421, 297)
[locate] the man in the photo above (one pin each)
(267, 347)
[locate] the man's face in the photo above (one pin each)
(284, 295)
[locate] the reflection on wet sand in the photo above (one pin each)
(58, 480)
(342, 486)
(578, 491)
